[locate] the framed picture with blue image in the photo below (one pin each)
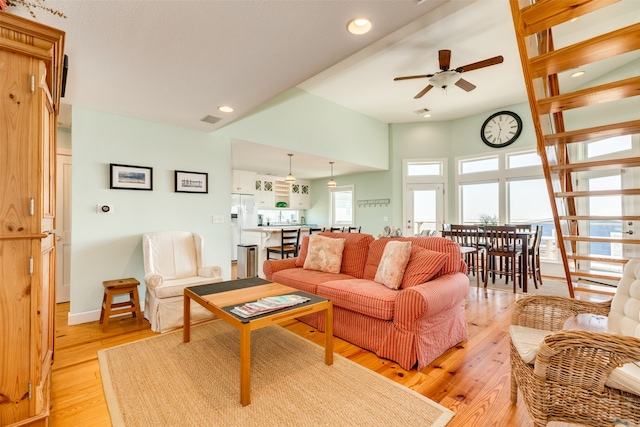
(127, 177)
(192, 182)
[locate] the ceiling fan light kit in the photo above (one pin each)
(444, 79)
(447, 76)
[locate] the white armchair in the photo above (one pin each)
(173, 260)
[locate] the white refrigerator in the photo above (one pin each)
(244, 214)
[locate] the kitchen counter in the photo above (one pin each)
(277, 228)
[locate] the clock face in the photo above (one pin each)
(501, 129)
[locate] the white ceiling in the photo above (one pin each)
(177, 61)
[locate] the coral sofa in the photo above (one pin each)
(413, 324)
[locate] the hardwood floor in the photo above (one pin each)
(471, 379)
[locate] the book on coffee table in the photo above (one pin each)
(266, 305)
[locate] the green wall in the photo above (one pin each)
(109, 246)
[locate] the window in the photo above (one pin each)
(478, 200)
(424, 168)
(479, 165)
(341, 205)
(608, 146)
(508, 188)
(520, 160)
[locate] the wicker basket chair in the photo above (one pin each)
(574, 375)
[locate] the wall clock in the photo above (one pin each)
(501, 129)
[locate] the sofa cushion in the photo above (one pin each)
(302, 253)
(324, 254)
(423, 265)
(624, 317)
(306, 280)
(175, 287)
(354, 256)
(393, 263)
(361, 296)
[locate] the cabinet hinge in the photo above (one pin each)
(31, 265)
(32, 206)
(29, 389)
(33, 83)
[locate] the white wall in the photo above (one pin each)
(108, 246)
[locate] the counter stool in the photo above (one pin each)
(120, 287)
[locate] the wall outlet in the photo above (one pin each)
(385, 218)
(217, 219)
(104, 208)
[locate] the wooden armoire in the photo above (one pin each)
(31, 59)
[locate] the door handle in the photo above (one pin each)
(628, 232)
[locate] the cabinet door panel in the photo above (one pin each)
(15, 329)
(18, 145)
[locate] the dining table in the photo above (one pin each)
(521, 235)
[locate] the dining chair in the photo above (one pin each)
(534, 257)
(352, 229)
(336, 229)
(502, 253)
(315, 230)
(289, 243)
(468, 237)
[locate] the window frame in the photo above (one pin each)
(342, 188)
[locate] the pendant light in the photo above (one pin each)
(331, 183)
(290, 177)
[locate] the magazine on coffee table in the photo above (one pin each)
(266, 305)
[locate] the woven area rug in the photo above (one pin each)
(162, 381)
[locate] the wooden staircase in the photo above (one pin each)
(568, 121)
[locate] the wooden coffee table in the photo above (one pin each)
(220, 298)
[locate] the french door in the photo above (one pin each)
(423, 209)
(607, 212)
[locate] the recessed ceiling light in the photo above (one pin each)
(577, 74)
(225, 109)
(427, 115)
(359, 26)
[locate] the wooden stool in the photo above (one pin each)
(120, 287)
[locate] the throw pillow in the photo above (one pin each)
(324, 254)
(393, 263)
(424, 264)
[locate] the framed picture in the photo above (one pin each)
(192, 182)
(131, 177)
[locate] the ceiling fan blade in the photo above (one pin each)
(465, 85)
(422, 92)
(412, 77)
(444, 57)
(481, 64)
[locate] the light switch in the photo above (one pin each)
(217, 219)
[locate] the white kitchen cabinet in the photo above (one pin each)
(265, 194)
(300, 196)
(243, 182)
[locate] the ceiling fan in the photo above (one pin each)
(446, 77)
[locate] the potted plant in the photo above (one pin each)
(486, 219)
